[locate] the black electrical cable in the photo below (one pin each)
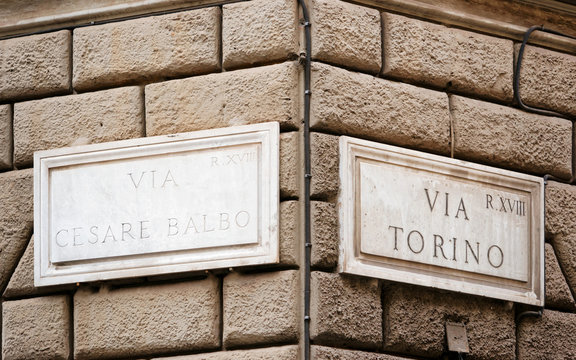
(554, 178)
(518, 67)
(518, 98)
(307, 179)
(529, 313)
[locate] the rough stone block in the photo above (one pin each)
(324, 235)
(548, 80)
(415, 320)
(346, 34)
(560, 209)
(461, 61)
(259, 31)
(249, 96)
(153, 47)
(5, 137)
(35, 65)
(561, 226)
(364, 106)
(148, 320)
(289, 244)
(289, 352)
(565, 246)
(549, 337)
(324, 158)
(345, 311)
(76, 120)
(506, 137)
(22, 281)
(289, 164)
(16, 219)
(558, 295)
(328, 353)
(261, 308)
(37, 328)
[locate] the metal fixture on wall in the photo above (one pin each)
(457, 338)
(307, 178)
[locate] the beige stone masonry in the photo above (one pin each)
(148, 320)
(261, 308)
(146, 49)
(37, 328)
(415, 320)
(462, 61)
(361, 105)
(560, 209)
(549, 337)
(22, 279)
(324, 160)
(548, 80)
(289, 244)
(561, 226)
(325, 238)
(36, 65)
(5, 137)
(558, 295)
(345, 311)
(565, 247)
(288, 352)
(346, 34)
(259, 31)
(16, 219)
(327, 353)
(241, 97)
(289, 164)
(76, 120)
(510, 138)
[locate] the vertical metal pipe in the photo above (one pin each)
(307, 179)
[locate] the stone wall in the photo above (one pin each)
(375, 75)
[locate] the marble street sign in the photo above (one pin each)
(419, 218)
(182, 202)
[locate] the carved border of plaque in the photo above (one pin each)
(433, 221)
(177, 203)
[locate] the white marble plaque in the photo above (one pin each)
(183, 202)
(433, 221)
